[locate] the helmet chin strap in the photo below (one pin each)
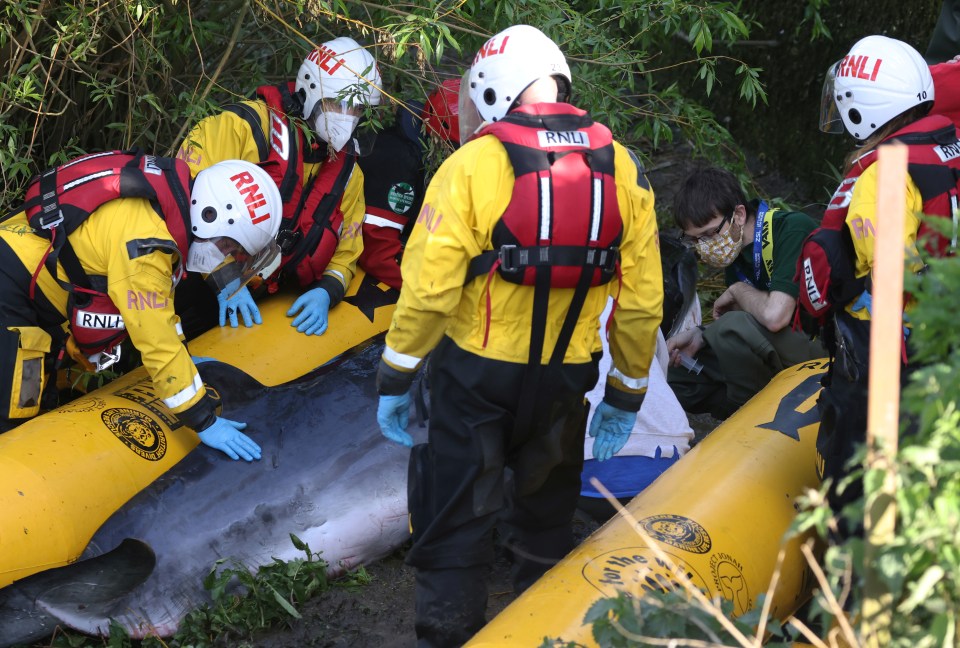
(298, 100)
(563, 89)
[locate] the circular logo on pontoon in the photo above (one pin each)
(729, 581)
(138, 431)
(400, 197)
(678, 531)
(89, 404)
(636, 570)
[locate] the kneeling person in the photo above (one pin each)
(750, 339)
(99, 244)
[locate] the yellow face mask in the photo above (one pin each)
(719, 251)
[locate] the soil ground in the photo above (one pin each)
(380, 614)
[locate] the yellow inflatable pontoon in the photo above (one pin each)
(67, 471)
(720, 513)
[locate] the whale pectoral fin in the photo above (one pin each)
(88, 590)
(32, 607)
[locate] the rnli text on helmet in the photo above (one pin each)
(252, 196)
(856, 66)
(323, 56)
(490, 48)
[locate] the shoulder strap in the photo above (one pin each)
(321, 215)
(766, 250)
(249, 115)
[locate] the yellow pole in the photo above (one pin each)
(883, 410)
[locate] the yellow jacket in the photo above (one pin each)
(227, 136)
(862, 222)
(462, 205)
(141, 288)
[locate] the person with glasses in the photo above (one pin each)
(750, 338)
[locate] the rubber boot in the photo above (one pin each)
(451, 605)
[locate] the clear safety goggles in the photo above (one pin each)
(224, 262)
(830, 120)
(469, 117)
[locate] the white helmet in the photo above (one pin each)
(508, 64)
(235, 214)
(878, 80)
(338, 69)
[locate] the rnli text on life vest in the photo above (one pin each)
(947, 152)
(101, 321)
(250, 191)
(150, 165)
(813, 293)
(547, 139)
(279, 136)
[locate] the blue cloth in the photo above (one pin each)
(624, 476)
(235, 299)
(393, 416)
(313, 307)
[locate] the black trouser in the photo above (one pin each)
(843, 411)
(457, 490)
(740, 358)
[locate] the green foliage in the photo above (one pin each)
(77, 77)
(625, 621)
(919, 566)
(796, 44)
(242, 603)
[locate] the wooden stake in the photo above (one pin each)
(883, 410)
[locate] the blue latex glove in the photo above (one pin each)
(225, 435)
(198, 359)
(865, 300)
(611, 427)
(393, 415)
(313, 307)
(240, 302)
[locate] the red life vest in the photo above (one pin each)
(60, 199)
(826, 266)
(563, 216)
(312, 218)
(562, 227)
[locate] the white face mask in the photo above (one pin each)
(204, 256)
(335, 128)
